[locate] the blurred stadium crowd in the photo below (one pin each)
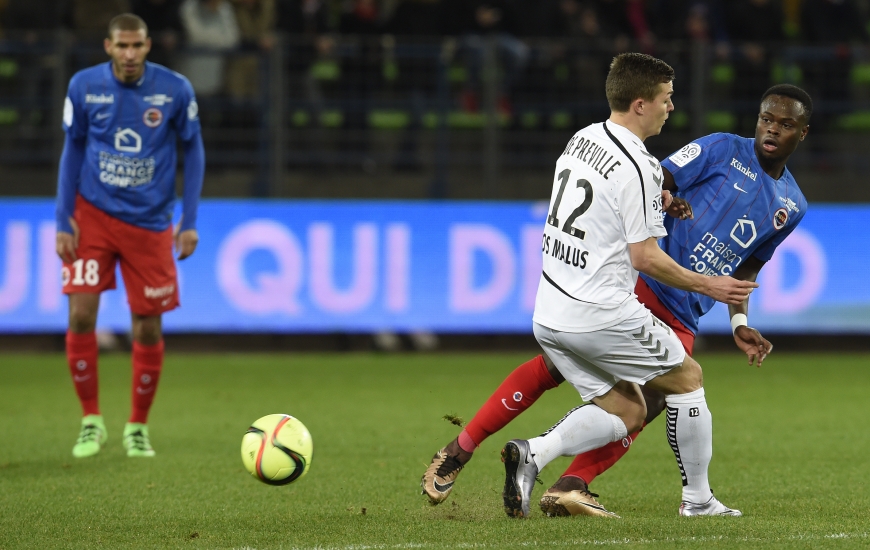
(477, 93)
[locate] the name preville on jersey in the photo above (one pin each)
(592, 154)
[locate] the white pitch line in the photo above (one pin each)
(593, 542)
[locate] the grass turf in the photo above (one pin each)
(790, 451)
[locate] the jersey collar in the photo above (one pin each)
(624, 133)
(136, 84)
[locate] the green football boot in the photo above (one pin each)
(92, 436)
(136, 440)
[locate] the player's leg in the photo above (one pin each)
(83, 281)
(82, 353)
(514, 395)
(690, 434)
(147, 366)
(636, 351)
(587, 466)
(616, 407)
(150, 277)
(586, 427)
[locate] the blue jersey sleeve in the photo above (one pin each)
(194, 170)
(75, 120)
(689, 164)
(68, 176)
(186, 116)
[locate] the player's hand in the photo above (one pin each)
(753, 344)
(66, 244)
(728, 290)
(185, 242)
(676, 207)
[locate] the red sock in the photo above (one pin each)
(519, 390)
(591, 464)
(147, 364)
(81, 355)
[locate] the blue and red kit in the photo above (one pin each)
(117, 180)
(120, 150)
(740, 211)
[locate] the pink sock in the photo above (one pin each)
(466, 443)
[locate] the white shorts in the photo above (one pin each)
(635, 350)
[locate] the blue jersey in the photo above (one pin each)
(129, 164)
(739, 210)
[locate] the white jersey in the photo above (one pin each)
(607, 194)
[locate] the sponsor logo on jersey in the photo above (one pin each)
(737, 186)
(569, 254)
(158, 100)
(124, 171)
(159, 292)
(686, 155)
(744, 232)
(713, 257)
(152, 117)
(743, 169)
(780, 217)
(789, 204)
(128, 141)
(99, 98)
(101, 116)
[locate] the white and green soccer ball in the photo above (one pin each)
(277, 449)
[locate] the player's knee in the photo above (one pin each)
(147, 330)
(81, 319)
(633, 417)
(692, 375)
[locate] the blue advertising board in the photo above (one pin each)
(363, 266)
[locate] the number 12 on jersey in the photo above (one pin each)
(568, 227)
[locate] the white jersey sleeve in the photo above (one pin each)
(640, 202)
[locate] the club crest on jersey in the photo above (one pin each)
(152, 117)
(780, 217)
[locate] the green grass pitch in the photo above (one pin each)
(791, 450)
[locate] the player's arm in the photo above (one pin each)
(672, 205)
(186, 235)
(69, 172)
(749, 340)
(648, 258)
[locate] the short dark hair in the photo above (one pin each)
(792, 91)
(127, 22)
(635, 75)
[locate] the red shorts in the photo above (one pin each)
(648, 298)
(146, 260)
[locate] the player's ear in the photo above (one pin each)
(637, 106)
(804, 131)
(107, 45)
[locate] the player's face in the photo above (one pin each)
(781, 126)
(660, 108)
(128, 50)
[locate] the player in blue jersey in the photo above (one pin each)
(734, 202)
(115, 201)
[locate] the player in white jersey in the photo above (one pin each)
(604, 221)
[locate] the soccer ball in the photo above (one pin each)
(277, 449)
